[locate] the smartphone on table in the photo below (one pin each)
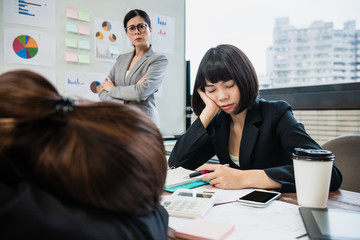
(259, 198)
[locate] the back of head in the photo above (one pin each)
(103, 155)
(22, 92)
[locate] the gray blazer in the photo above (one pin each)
(151, 64)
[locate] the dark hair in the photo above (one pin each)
(101, 154)
(134, 13)
(223, 63)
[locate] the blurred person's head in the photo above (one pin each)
(100, 154)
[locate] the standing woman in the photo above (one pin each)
(136, 75)
(255, 137)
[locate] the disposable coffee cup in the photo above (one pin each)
(312, 168)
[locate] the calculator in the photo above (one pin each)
(189, 203)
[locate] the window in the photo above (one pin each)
(294, 54)
(275, 33)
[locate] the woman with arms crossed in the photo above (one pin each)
(69, 171)
(254, 136)
(137, 75)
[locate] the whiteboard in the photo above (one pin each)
(170, 100)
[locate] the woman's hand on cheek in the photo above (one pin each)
(210, 110)
(209, 103)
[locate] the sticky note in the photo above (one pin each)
(114, 49)
(71, 56)
(84, 57)
(71, 41)
(71, 12)
(71, 26)
(84, 28)
(84, 43)
(84, 15)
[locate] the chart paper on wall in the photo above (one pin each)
(38, 13)
(107, 40)
(29, 47)
(85, 85)
(163, 33)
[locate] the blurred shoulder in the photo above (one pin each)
(272, 109)
(158, 57)
(155, 56)
(278, 105)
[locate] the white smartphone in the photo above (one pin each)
(259, 198)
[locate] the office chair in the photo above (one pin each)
(346, 149)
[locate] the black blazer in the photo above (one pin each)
(269, 137)
(28, 212)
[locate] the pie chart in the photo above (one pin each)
(99, 35)
(106, 26)
(112, 37)
(25, 46)
(95, 87)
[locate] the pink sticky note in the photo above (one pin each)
(84, 28)
(72, 13)
(71, 56)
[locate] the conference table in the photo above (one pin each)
(341, 199)
(337, 199)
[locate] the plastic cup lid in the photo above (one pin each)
(313, 154)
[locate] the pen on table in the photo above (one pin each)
(197, 173)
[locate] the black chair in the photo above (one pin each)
(346, 149)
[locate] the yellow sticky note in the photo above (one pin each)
(71, 41)
(84, 15)
(84, 57)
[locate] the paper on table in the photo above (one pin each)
(226, 196)
(176, 177)
(279, 220)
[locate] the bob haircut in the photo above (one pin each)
(137, 12)
(223, 63)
